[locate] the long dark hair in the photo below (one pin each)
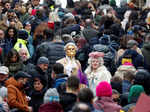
(11, 53)
(7, 36)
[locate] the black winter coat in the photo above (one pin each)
(67, 100)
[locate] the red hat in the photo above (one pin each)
(103, 89)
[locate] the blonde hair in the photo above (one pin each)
(100, 59)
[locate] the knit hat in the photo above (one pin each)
(22, 34)
(42, 60)
(131, 43)
(103, 89)
(51, 95)
(22, 74)
(135, 92)
(4, 70)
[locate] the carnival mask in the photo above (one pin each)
(71, 51)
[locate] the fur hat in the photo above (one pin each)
(103, 89)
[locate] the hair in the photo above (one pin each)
(49, 34)
(116, 79)
(101, 61)
(58, 68)
(129, 75)
(124, 40)
(11, 53)
(85, 95)
(39, 30)
(81, 107)
(73, 83)
(15, 32)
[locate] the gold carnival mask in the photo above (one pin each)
(71, 51)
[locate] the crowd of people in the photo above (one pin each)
(73, 56)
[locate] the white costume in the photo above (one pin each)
(95, 77)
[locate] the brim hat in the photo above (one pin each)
(22, 74)
(4, 70)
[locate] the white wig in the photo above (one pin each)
(70, 44)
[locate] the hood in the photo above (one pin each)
(12, 81)
(51, 107)
(133, 53)
(147, 45)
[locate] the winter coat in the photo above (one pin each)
(15, 67)
(61, 78)
(9, 44)
(89, 33)
(16, 95)
(51, 107)
(67, 100)
(30, 45)
(37, 99)
(137, 59)
(21, 44)
(146, 54)
(95, 77)
(55, 52)
(107, 105)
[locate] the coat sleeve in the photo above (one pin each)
(12, 96)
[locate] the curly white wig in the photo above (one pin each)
(70, 44)
(101, 61)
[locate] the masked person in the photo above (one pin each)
(71, 65)
(17, 98)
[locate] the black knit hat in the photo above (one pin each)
(22, 74)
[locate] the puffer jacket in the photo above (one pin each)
(52, 50)
(16, 96)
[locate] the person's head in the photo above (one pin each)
(22, 78)
(13, 56)
(73, 83)
(81, 107)
(51, 95)
(23, 54)
(11, 32)
(134, 93)
(103, 89)
(70, 50)
(27, 26)
(142, 77)
(48, 34)
(2, 34)
(22, 34)
(11, 14)
(96, 60)
(115, 96)
(43, 63)
(38, 85)
(132, 44)
(35, 2)
(88, 22)
(4, 72)
(58, 68)
(7, 5)
(85, 95)
(129, 75)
